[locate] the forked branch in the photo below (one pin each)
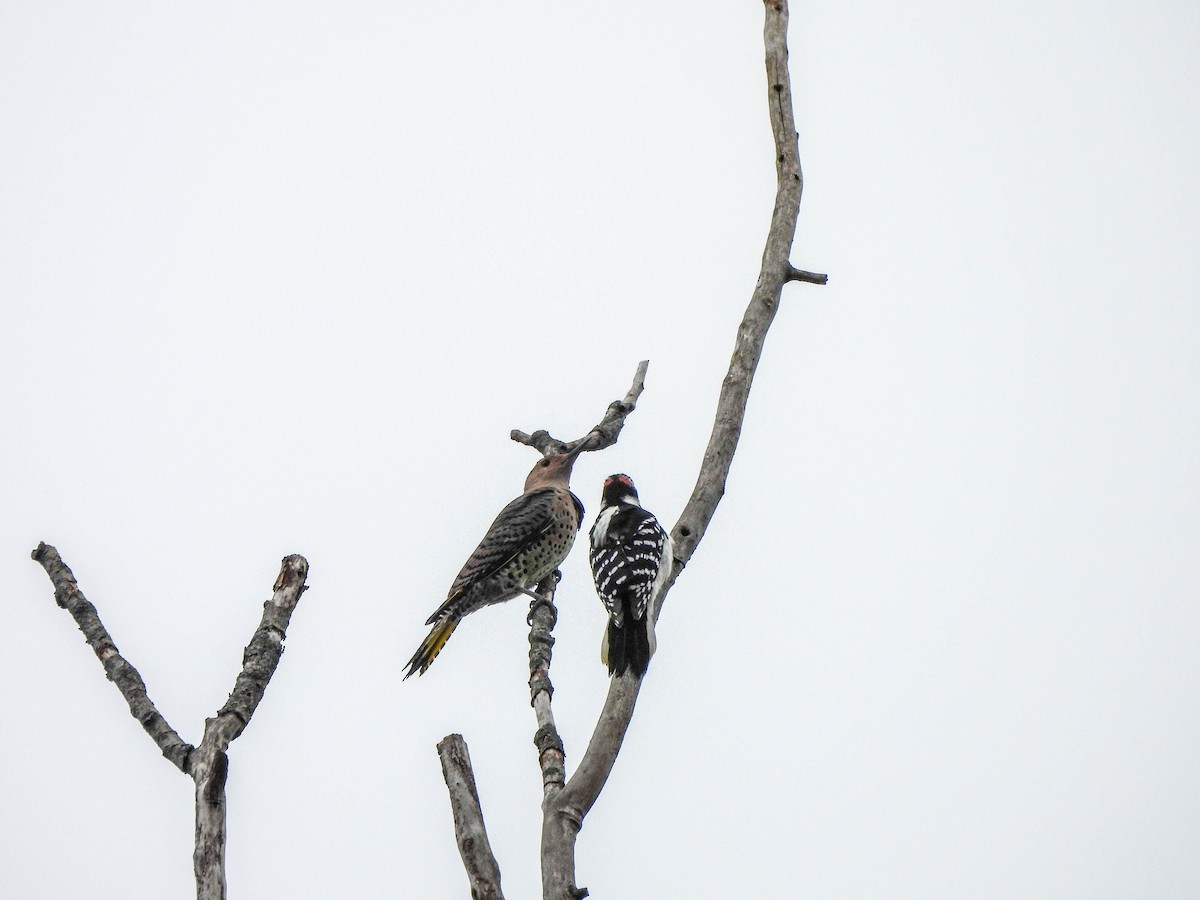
(566, 804)
(207, 764)
(468, 819)
(564, 811)
(605, 433)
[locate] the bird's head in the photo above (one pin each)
(618, 489)
(554, 470)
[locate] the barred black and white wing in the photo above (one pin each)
(631, 558)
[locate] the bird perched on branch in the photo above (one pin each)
(529, 540)
(631, 557)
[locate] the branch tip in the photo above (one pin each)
(794, 274)
(483, 871)
(573, 802)
(602, 436)
(117, 669)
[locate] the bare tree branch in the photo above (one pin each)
(473, 846)
(564, 805)
(207, 764)
(542, 617)
(118, 669)
(558, 852)
(551, 755)
(261, 656)
(764, 303)
(810, 277)
(565, 810)
(606, 432)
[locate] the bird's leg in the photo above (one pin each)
(541, 600)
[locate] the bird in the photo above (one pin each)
(529, 539)
(631, 557)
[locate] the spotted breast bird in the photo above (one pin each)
(631, 557)
(529, 539)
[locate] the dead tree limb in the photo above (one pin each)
(566, 802)
(483, 873)
(68, 596)
(565, 810)
(207, 764)
(607, 430)
(542, 617)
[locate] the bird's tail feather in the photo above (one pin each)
(628, 647)
(432, 646)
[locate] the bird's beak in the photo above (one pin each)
(580, 447)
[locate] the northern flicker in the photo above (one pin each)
(529, 540)
(631, 557)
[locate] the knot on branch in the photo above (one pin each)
(546, 739)
(179, 754)
(266, 636)
(233, 711)
(549, 744)
(539, 682)
(214, 787)
(541, 648)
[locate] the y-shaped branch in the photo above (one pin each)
(468, 820)
(565, 810)
(605, 433)
(208, 764)
(542, 613)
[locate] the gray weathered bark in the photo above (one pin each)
(566, 802)
(207, 764)
(468, 819)
(565, 810)
(482, 871)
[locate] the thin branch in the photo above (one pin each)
(261, 656)
(564, 817)
(209, 763)
(773, 274)
(482, 869)
(542, 617)
(598, 760)
(606, 432)
(118, 669)
(810, 277)
(551, 755)
(558, 854)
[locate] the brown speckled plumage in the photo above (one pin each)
(528, 540)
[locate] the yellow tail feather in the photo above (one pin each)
(431, 646)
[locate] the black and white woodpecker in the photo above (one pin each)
(631, 558)
(529, 539)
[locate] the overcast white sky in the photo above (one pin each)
(280, 278)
